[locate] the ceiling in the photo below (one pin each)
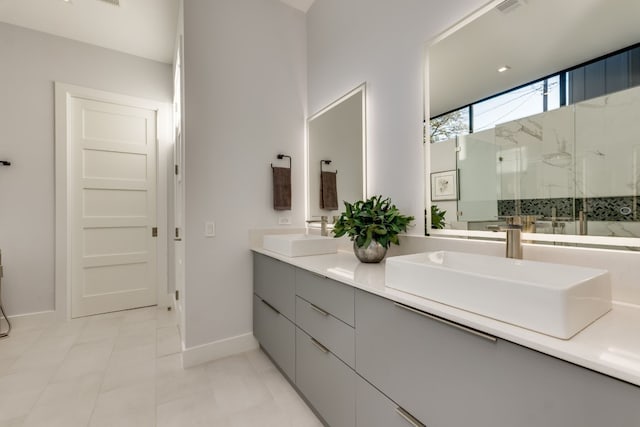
(302, 5)
(145, 28)
(538, 38)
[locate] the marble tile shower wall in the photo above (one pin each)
(608, 154)
(589, 149)
(583, 157)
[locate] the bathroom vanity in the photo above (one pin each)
(366, 355)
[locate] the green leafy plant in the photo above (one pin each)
(372, 219)
(437, 217)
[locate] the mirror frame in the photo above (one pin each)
(360, 89)
(620, 243)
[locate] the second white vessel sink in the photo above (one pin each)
(554, 299)
(293, 245)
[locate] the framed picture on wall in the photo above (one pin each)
(444, 185)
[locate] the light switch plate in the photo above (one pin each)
(209, 229)
(284, 220)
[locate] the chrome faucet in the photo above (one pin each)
(324, 220)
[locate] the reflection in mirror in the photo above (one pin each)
(336, 155)
(557, 148)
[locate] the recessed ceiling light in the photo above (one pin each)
(504, 68)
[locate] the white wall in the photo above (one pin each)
(31, 62)
(381, 42)
(245, 98)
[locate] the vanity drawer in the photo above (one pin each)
(334, 334)
(448, 375)
(429, 368)
(276, 334)
(326, 294)
(274, 281)
(374, 409)
(327, 383)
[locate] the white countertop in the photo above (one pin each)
(610, 345)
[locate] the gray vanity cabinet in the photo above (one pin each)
(325, 347)
(337, 336)
(327, 382)
(329, 295)
(274, 310)
(374, 409)
(276, 335)
(450, 377)
(274, 282)
(412, 368)
(427, 367)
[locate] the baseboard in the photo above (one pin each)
(204, 353)
(33, 320)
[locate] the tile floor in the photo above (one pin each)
(125, 369)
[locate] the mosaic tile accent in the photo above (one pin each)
(539, 207)
(625, 208)
(610, 208)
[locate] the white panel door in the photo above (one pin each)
(113, 186)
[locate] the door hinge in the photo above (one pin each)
(177, 295)
(176, 168)
(154, 232)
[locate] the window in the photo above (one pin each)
(533, 98)
(617, 71)
(449, 125)
(528, 100)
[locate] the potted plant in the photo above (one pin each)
(437, 217)
(372, 225)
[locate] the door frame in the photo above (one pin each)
(63, 196)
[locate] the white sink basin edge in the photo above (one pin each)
(295, 245)
(557, 300)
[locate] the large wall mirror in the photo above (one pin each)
(336, 155)
(535, 114)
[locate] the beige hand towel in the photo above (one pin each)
(281, 189)
(328, 191)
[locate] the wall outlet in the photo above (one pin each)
(284, 220)
(209, 229)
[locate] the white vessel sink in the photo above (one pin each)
(557, 300)
(293, 245)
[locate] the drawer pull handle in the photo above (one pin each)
(409, 418)
(319, 310)
(319, 346)
(270, 306)
(446, 322)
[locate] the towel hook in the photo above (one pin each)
(282, 156)
(326, 162)
(5, 163)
